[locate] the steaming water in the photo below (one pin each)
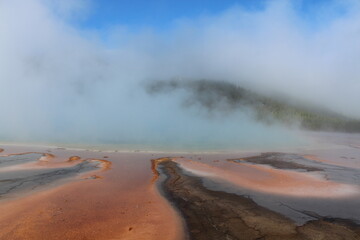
(60, 85)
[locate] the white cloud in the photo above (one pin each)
(58, 84)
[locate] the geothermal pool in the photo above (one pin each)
(64, 193)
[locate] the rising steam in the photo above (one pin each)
(61, 83)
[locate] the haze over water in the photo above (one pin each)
(72, 75)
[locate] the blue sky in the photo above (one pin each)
(157, 13)
(160, 14)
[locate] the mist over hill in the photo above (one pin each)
(226, 97)
(61, 82)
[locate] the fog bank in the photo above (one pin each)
(62, 83)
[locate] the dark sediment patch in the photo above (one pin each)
(279, 161)
(154, 167)
(24, 180)
(15, 159)
(218, 215)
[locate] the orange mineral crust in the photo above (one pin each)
(115, 202)
(270, 180)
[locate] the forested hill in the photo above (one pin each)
(225, 96)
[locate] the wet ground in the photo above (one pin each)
(28, 172)
(60, 193)
(301, 209)
(81, 194)
(216, 214)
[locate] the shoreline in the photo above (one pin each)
(214, 215)
(311, 141)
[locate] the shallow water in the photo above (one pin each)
(221, 175)
(18, 176)
(11, 160)
(295, 208)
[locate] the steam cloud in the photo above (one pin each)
(60, 83)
